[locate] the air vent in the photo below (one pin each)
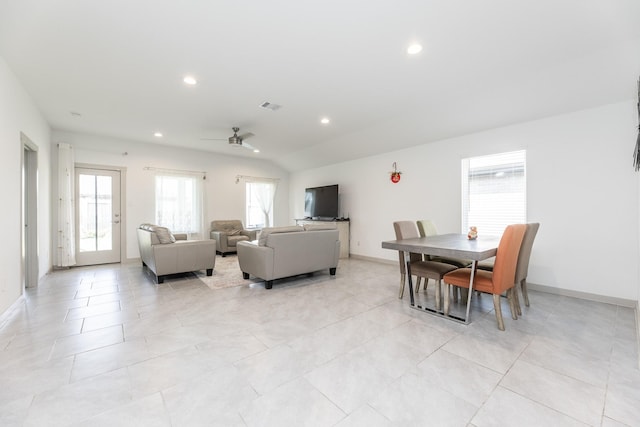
(270, 106)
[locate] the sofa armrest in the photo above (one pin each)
(184, 256)
(251, 234)
(221, 239)
(256, 260)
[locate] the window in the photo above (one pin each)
(260, 196)
(179, 203)
(494, 192)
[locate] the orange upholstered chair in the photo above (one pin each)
(522, 268)
(498, 281)
(421, 269)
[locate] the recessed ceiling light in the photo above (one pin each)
(158, 135)
(190, 80)
(325, 120)
(414, 49)
(256, 150)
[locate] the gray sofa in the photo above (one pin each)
(289, 251)
(227, 234)
(165, 253)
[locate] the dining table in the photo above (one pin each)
(446, 245)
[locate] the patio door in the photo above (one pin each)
(98, 220)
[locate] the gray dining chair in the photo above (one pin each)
(428, 228)
(419, 267)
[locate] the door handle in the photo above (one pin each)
(116, 222)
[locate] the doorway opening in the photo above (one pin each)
(29, 213)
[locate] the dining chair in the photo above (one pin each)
(522, 268)
(418, 267)
(428, 228)
(496, 282)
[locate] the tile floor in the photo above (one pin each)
(106, 346)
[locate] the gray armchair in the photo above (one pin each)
(228, 233)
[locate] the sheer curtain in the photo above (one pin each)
(66, 253)
(180, 203)
(263, 193)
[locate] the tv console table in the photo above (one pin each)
(343, 232)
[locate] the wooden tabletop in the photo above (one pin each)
(451, 245)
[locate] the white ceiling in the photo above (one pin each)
(490, 63)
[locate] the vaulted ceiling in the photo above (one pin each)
(116, 68)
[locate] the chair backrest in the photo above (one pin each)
(228, 226)
(522, 268)
(504, 269)
(406, 230)
(426, 228)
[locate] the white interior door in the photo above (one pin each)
(98, 220)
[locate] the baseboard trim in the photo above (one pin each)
(4, 317)
(583, 295)
(638, 329)
(373, 259)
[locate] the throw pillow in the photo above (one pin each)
(164, 235)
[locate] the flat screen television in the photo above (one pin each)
(321, 202)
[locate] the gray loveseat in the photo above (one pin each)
(227, 234)
(289, 251)
(165, 253)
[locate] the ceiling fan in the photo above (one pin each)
(237, 140)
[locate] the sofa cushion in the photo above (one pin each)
(233, 240)
(262, 238)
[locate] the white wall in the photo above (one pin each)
(224, 198)
(18, 114)
(581, 187)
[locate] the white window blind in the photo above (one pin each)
(260, 197)
(494, 192)
(179, 203)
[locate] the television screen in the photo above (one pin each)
(321, 202)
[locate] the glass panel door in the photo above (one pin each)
(98, 216)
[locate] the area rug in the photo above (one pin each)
(226, 274)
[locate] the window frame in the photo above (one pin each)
(496, 184)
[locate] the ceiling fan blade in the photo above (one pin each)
(245, 135)
(213, 139)
(248, 146)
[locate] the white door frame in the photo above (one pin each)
(29, 261)
(123, 198)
